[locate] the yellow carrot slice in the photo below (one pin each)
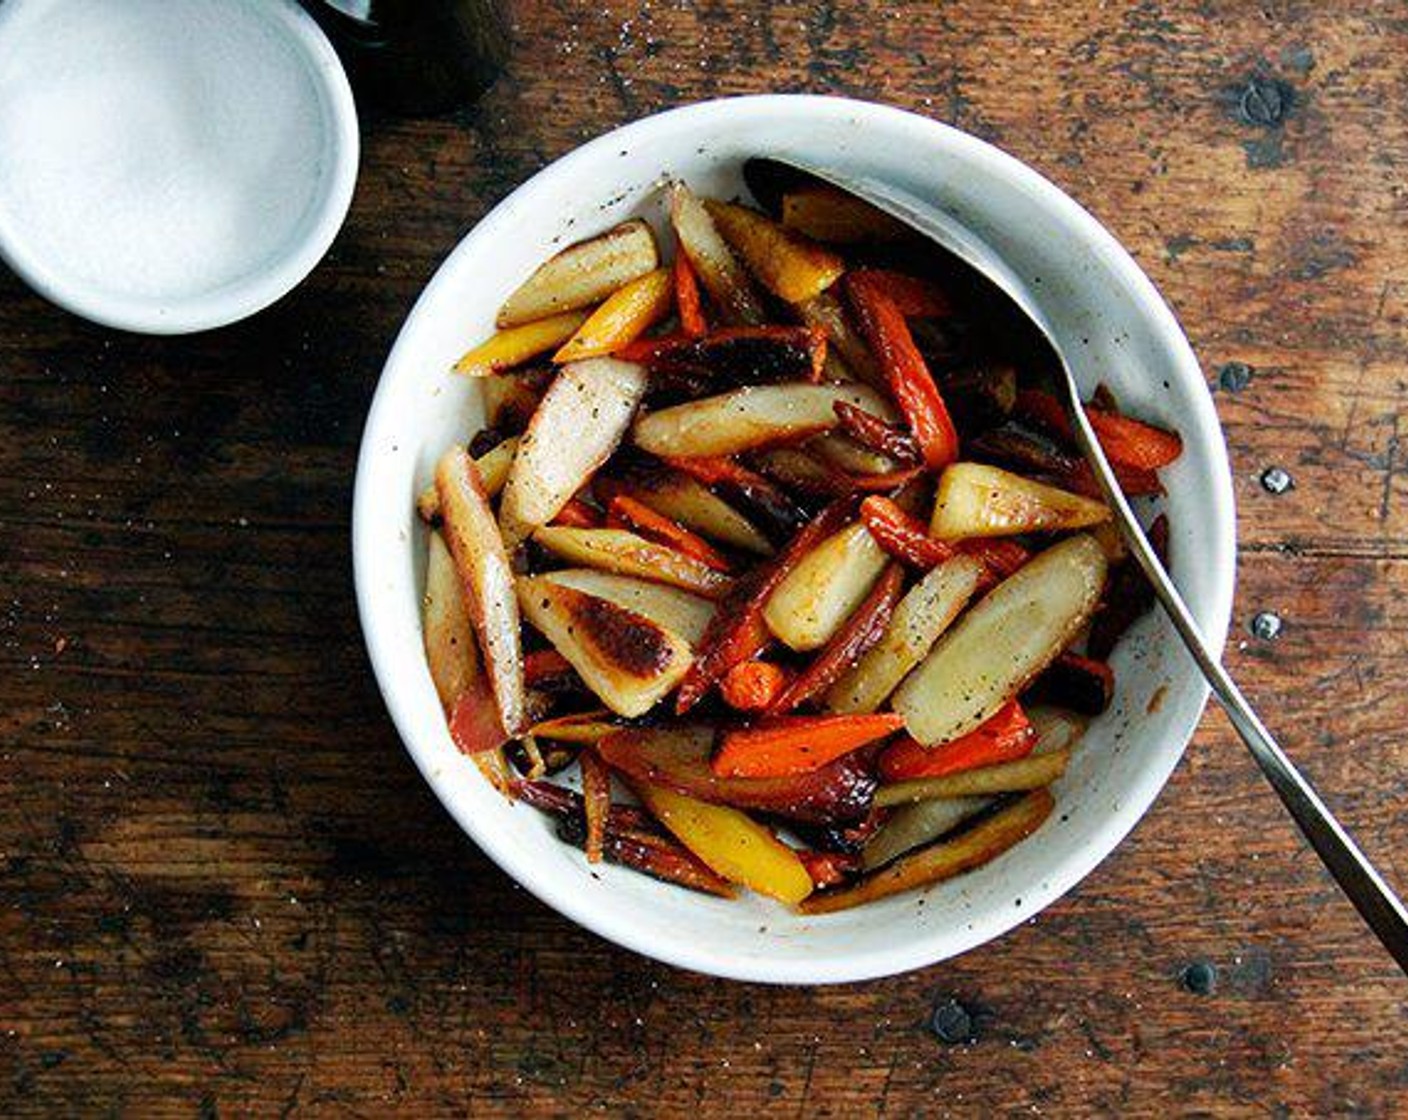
(731, 843)
(516, 345)
(792, 267)
(623, 318)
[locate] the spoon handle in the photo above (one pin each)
(1372, 897)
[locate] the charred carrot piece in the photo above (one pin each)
(870, 431)
(752, 685)
(861, 631)
(757, 491)
(596, 802)
(916, 298)
(904, 537)
(687, 301)
(544, 664)
(736, 355)
(1082, 684)
(829, 869)
(791, 745)
(1127, 442)
(884, 327)
(632, 839)
(736, 632)
(1000, 557)
(1006, 737)
(578, 515)
(628, 513)
(1127, 596)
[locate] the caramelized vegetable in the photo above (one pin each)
(678, 757)
(874, 433)
(746, 418)
(583, 274)
(832, 215)
(482, 563)
(735, 356)
(516, 345)
(786, 745)
(687, 301)
(917, 824)
(1031, 772)
(712, 260)
(975, 500)
(675, 494)
(625, 512)
(624, 317)
(625, 553)
(737, 631)
(905, 371)
(918, 620)
(981, 844)
(793, 267)
(596, 803)
(752, 686)
(1006, 737)
(731, 843)
(577, 426)
(863, 630)
(817, 596)
(629, 661)
(1003, 642)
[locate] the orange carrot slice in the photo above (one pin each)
(883, 324)
(687, 301)
(798, 744)
(625, 512)
(1006, 737)
(752, 685)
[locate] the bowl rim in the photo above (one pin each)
(243, 297)
(1135, 800)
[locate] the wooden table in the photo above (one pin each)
(227, 891)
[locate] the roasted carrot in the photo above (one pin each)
(474, 721)
(734, 355)
(907, 539)
(1000, 557)
(736, 632)
(916, 298)
(829, 869)
(861, 631)
(781, 747)
(625, 512)
(1005, 737)
(633, 839)
(687, 301)
(884, 327)
(577, 515)
(870, 431)
(757, 491)
(544, 665)
(903, 536)
(752, 685)
(1126, 442)
(596, 802)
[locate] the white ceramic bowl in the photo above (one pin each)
(76, 83)
(1099, 302)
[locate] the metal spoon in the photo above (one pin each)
(1372, 897)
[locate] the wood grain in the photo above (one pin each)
(226, 891)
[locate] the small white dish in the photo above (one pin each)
(170, 165)
(1101, 306)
